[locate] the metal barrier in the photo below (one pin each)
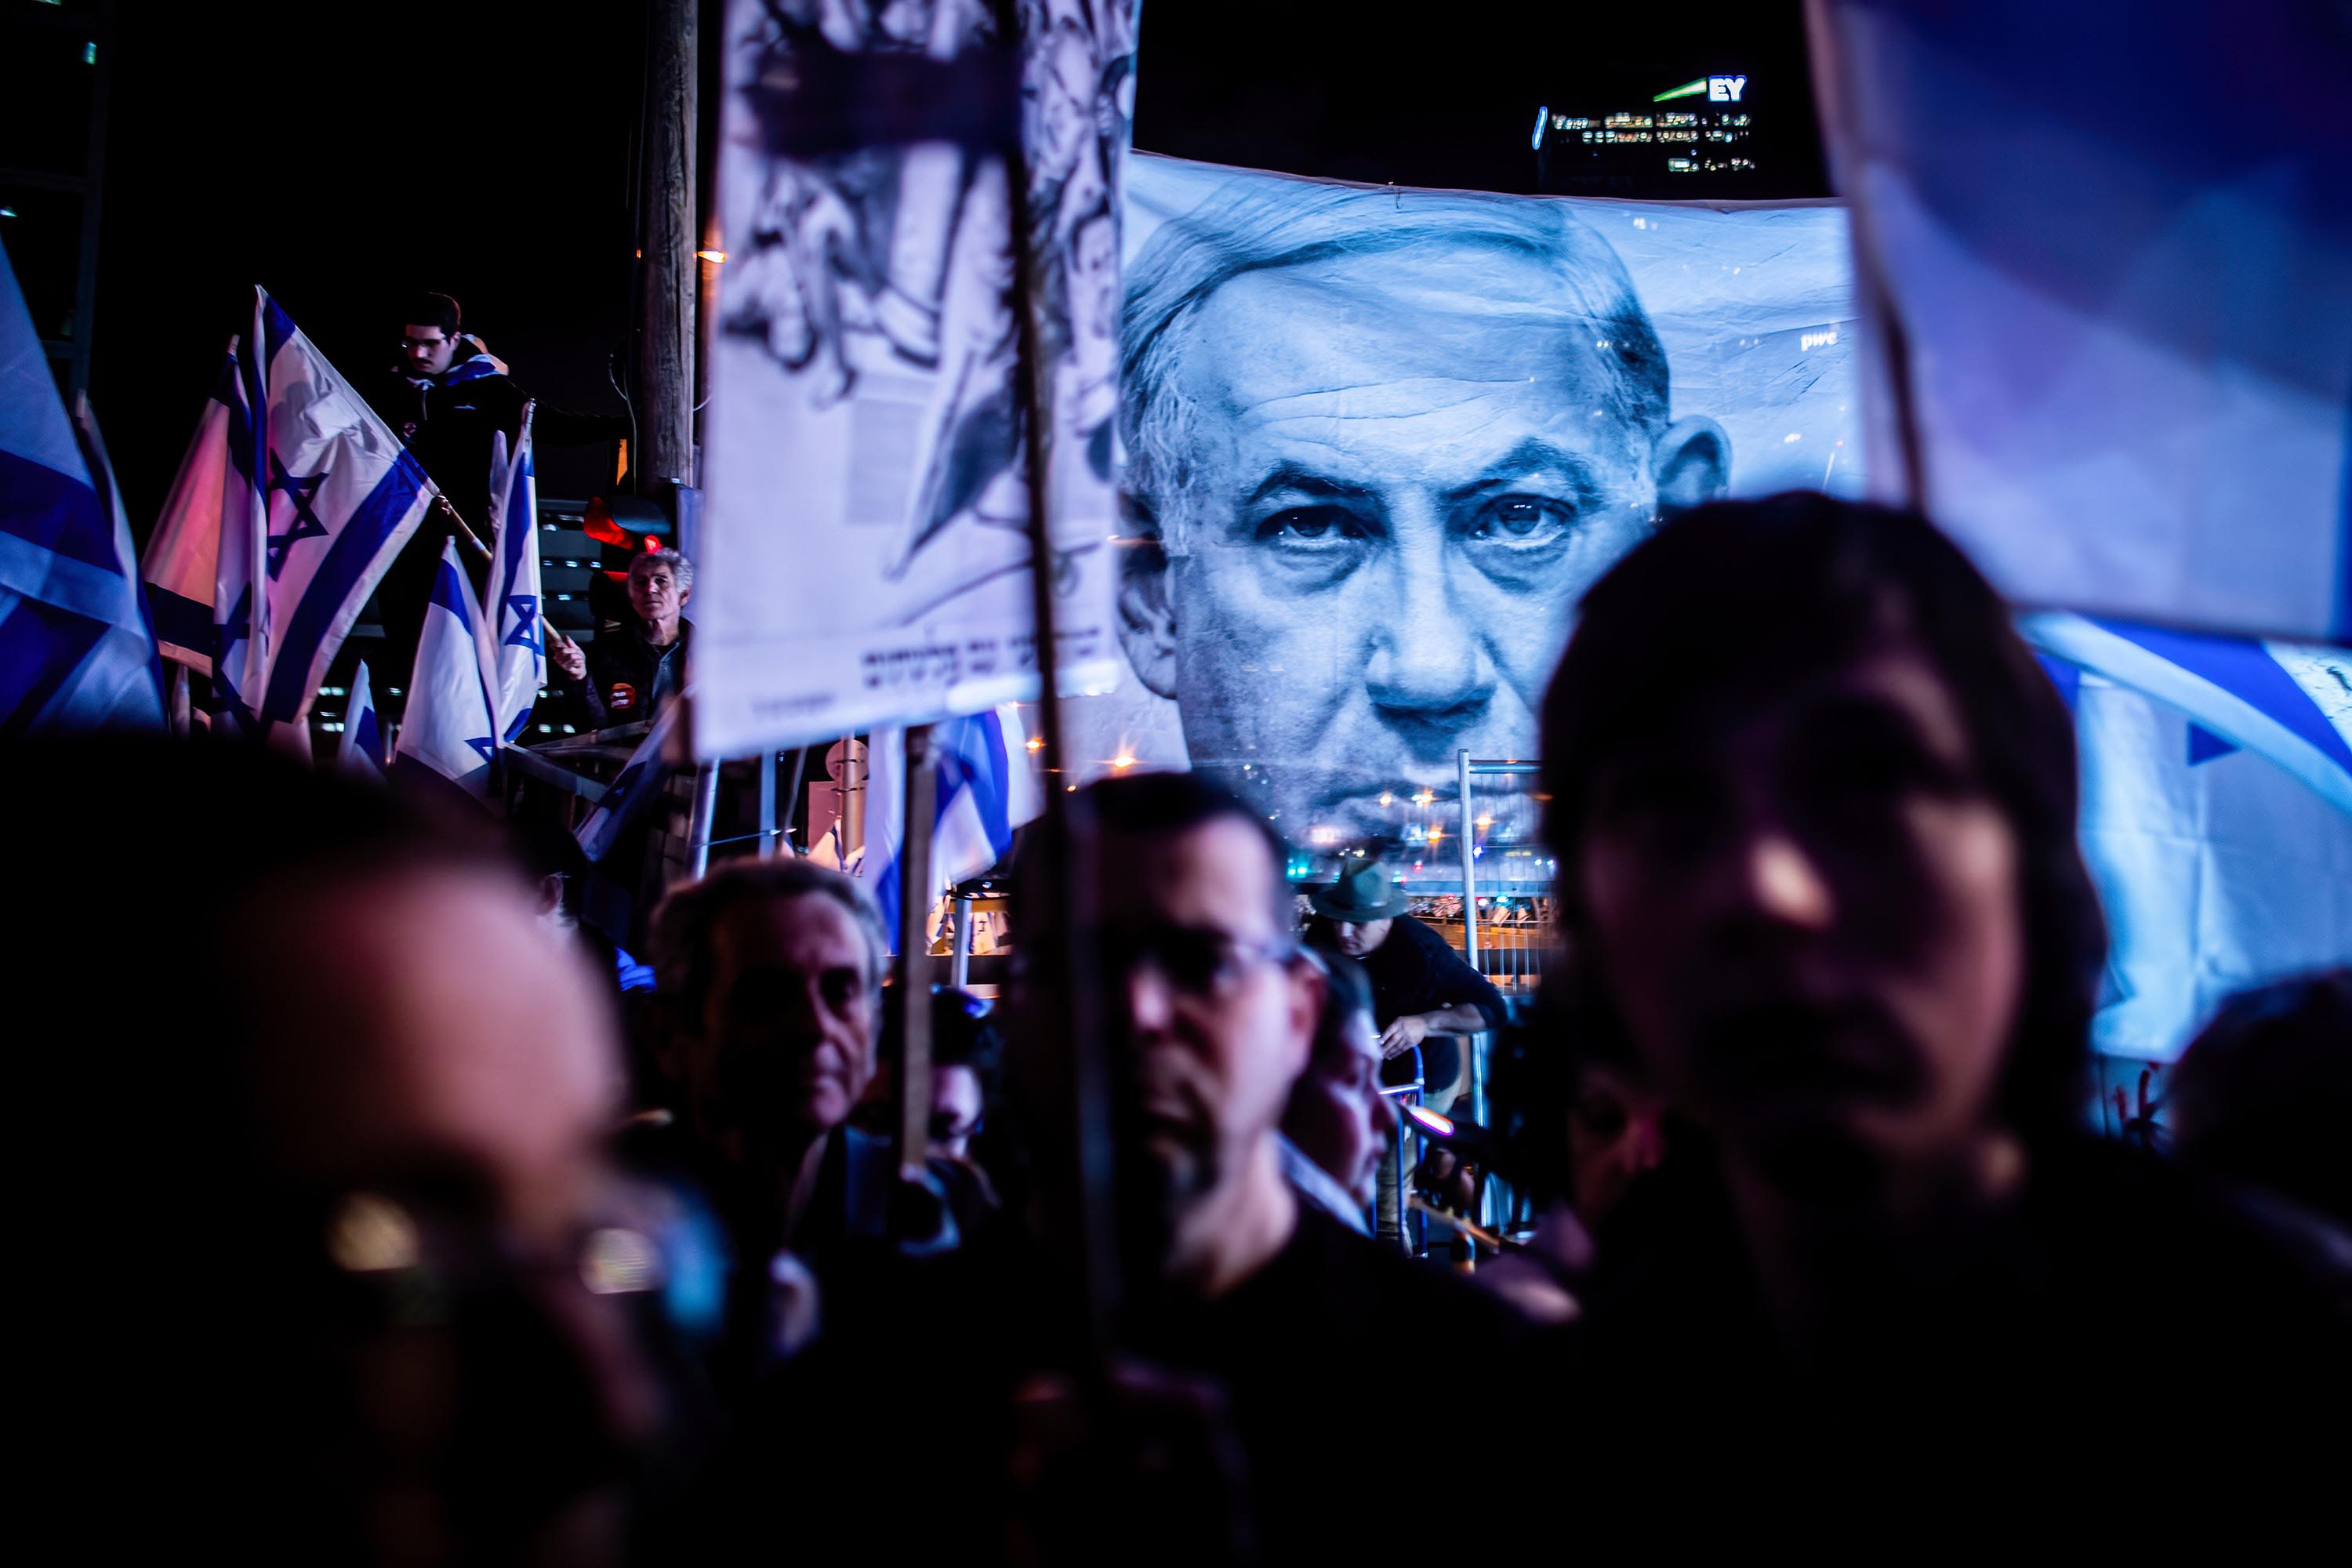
(1479, 1046)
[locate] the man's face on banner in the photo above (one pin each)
(1406, 468)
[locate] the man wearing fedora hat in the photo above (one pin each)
(1423, 994)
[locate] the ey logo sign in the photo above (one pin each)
(1725, 88)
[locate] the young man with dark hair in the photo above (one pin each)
(446, 396)
(1813, 806)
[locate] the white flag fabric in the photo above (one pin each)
(360, 750)
(2217, 869)
(318, 496)
(2290, 702)
(449, 727)
(513, 606)
(988, 786)
(2112, 267)
(75, 652)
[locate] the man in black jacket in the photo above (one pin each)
(446, 396)
(1255, 1336)
(1425, 993)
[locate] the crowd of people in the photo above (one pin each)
(367, 1236)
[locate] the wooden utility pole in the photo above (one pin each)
(663, 385)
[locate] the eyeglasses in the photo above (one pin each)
(398, 1264)
(1195, 960)
(422, 342)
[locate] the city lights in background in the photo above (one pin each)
(1703, 121)
(1430, 1121)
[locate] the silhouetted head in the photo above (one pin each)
(1814, 806)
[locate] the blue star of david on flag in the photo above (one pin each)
(524, 608)
(231, 635)
(298, 489)
(517, 605)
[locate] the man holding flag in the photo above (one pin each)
(451, 401)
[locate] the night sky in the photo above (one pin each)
(485, 149)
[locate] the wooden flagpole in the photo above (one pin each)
(914, 976)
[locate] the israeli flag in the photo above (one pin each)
(2288, 702)
(2111, 337)
(75, 648)
(639, 781)
(2222, 862)
(317, 497)
(987, 788)
(449, 729)
(514, 604)
(361, 750)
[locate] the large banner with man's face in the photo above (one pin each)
(1377, 443)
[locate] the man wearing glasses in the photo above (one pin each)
(446, 396)
(1252, 1332)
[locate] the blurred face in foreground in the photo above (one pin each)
(1808, 912)
(434, 1083)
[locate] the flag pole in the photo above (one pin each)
(914, 976)
(463, 532)
(1068, 835)
(792, 797)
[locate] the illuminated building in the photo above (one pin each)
(1698, 137)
